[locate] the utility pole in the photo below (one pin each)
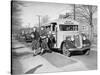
(74, 12)
(39, 20)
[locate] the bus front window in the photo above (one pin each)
(68, 27)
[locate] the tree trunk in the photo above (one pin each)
(91, 24)
(91, 34)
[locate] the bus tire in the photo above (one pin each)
(65, 51)
(87, 52)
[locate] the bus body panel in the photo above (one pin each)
(61, 36)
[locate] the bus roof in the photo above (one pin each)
(62, 21)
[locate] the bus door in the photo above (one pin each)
(54, 31)
(56, 35)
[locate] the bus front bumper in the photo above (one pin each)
(79, 49)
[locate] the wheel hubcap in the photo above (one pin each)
(65, 51)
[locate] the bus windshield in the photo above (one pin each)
(68, 27)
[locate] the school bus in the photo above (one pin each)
(68, 37)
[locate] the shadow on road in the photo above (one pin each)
(33, 70)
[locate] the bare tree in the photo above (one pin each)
(74, 12)
(15, 14)
(85, 13)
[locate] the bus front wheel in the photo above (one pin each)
(65, 51)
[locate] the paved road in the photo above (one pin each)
(23, 60)
(90, 61)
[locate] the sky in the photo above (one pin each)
(32, 9)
